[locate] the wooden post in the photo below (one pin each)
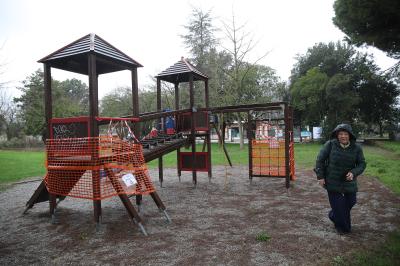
(135, 113)
(250, 146)
(287, 141)
(94, 130)
(48, 107)
(160, 159)
(208, 138)
(192, 130)
(135, 101)
(178, 152)
(48, 104)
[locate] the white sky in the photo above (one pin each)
(149, 30)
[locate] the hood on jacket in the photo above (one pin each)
(343, 127)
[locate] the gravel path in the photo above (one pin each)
(214, 224)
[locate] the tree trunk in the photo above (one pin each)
(241, 133)
(8, 133)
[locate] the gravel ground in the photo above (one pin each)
(215, 224)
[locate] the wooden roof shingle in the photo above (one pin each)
(180, 71)
(74, 56)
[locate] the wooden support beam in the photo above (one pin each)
(94, 130)
(192, 129)
(48, 107)
(160, 159)
(208, 137)
(250, 147)
(178, 152)
(135, 101)
(287, 144)
(48, 102)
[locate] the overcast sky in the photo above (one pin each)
(149, 32)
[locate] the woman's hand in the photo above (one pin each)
(321, 182)
(349, 176)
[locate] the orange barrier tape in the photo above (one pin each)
(96, 168)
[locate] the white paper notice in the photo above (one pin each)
(129, 180)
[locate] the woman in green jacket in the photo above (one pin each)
(338, 164)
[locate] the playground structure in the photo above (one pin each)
(75, 147)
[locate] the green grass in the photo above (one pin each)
(238, 157)
(384, 165)
(305, 154)
(382, 162)
(263, 237)
(393, 146)
(386, 254)
(16, 165)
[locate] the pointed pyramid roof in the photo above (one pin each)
(73, 57)
(179, 72)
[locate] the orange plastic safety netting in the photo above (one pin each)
(268, 157)
(96, 168)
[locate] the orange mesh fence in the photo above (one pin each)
(268, 157)
(96, 168)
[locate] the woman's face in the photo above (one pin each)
(343, 137)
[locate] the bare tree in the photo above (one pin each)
(241, 43)
(8, 116)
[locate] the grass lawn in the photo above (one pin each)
(393, 146)
(305, 155)
(386, 254)
(237, 156)
(17, 165)
(382, 162)
(384, 165)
